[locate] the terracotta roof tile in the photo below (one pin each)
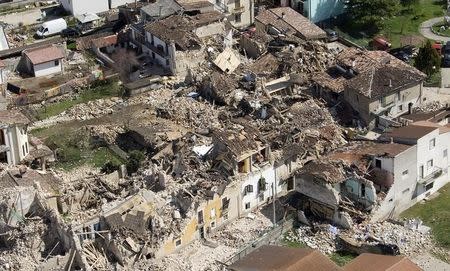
(44, 54)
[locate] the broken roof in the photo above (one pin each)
(44, 54)
(376, 262)
(377, 72)
(287, 19)
(13, 117)
(161, 8)
(360, 153)
(240, 138)
(327, 81)
(326, 171)
(277, 258)
(227, 61)
(177, 29)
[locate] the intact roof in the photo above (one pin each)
(161, 8)
(435, 116)
(377, 72)
(276, 258)
(442, 128)
(410, 132)
(195, 4)
(376, 262)
(13, 117)
(176, 29)
(87, 18)
(105, 41)
(44, 54)
(285, 18)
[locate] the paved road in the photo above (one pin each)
(445, 73)
(425, 30)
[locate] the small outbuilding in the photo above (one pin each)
(44, 61)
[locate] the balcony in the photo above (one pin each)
(157, 50)
(4, 148)
(437, 172)
(239, 9)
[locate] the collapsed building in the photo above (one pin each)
(378, 86)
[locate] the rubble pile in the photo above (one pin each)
(92, 109)
(410, 241)
(305, 56)
(323, 239)
(242, 231)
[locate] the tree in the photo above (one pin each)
(125, 62)
(428, 59)
(409, 3)
(373, 12)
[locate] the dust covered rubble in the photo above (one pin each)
(410, 241)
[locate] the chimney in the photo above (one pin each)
(160, 10)
(392, 140)
(390, 83)
(283, 15)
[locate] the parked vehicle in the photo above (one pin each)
(51, 28)
(438, 47)
(70, 32)
(331, 34)
(404, 53)
(446, 62)
(379, 43)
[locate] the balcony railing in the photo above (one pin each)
(437, 172)
(4, 148)
(239, 9)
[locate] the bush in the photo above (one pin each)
(135, 160)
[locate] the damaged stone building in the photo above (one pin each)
(13, 136)
(378, 86)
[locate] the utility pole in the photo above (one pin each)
(273, 205)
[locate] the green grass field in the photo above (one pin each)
(436, 214)
(102, 90)
(405, 23)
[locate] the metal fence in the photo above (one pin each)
(269, 237)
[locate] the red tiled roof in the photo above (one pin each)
(105, 41)
(375, 262)
(46, 54)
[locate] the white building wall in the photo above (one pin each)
(400, 195)
(47, 68)
(116, 3)
(254, 198)
(426, 153)
(16, 138)
(79, 7)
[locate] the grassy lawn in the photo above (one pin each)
(437, 29)
(434, 81)
(74, 148)
(407, 22)
(340, 258)
(436, 214)
(103, 89)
